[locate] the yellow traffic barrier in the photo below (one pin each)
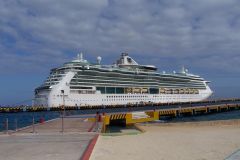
(155, 115)
(106, 120)
(117, 116)
(213, 108)
(201, 109)
(150, 113)
(172, 112)
(223, 107)
(186, 111)
(232, 106)
(152, 116)
(128, 118)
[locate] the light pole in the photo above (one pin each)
(63, 114)
(33, 118)
(62, 91)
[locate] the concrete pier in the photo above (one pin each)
(78, 125)
(48, 142)
(44, 146)
(128, 118)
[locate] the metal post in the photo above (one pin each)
(16, 124)
(33, 125)
(6, 125)
(63, 113)
(62, 124)
(179, 111)
(97, 122)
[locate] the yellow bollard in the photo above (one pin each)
(128, 118)
(156, 115)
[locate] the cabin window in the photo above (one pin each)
(101, 89)
(129, 60)
(120, 90)
(110, 90)
(154, 90)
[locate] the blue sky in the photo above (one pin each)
(36, 36)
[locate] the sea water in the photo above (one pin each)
(23, 119)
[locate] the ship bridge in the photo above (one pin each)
(126, 61)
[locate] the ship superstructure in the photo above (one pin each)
(80, 83)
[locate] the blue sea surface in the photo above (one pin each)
(23, 119)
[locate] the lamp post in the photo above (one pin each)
(33, 118)
(63, 96)
(63, 113)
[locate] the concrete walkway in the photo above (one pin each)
(234, 156)
(183, 141)
(47, 147)
(54, 126)
(48, 142)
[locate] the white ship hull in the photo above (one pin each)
(54, 98)
(101, 100)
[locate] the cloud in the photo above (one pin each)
(204, 34)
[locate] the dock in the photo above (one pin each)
(130, 118)
(49, 140)
(74, 137)
(114, 107)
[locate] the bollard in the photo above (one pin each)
(41, 120)
(99, 118)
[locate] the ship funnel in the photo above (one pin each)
(80, 57)
(184, 70)
(99, 59)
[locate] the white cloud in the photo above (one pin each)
(205, 34)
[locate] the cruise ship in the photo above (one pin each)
(81, 83)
